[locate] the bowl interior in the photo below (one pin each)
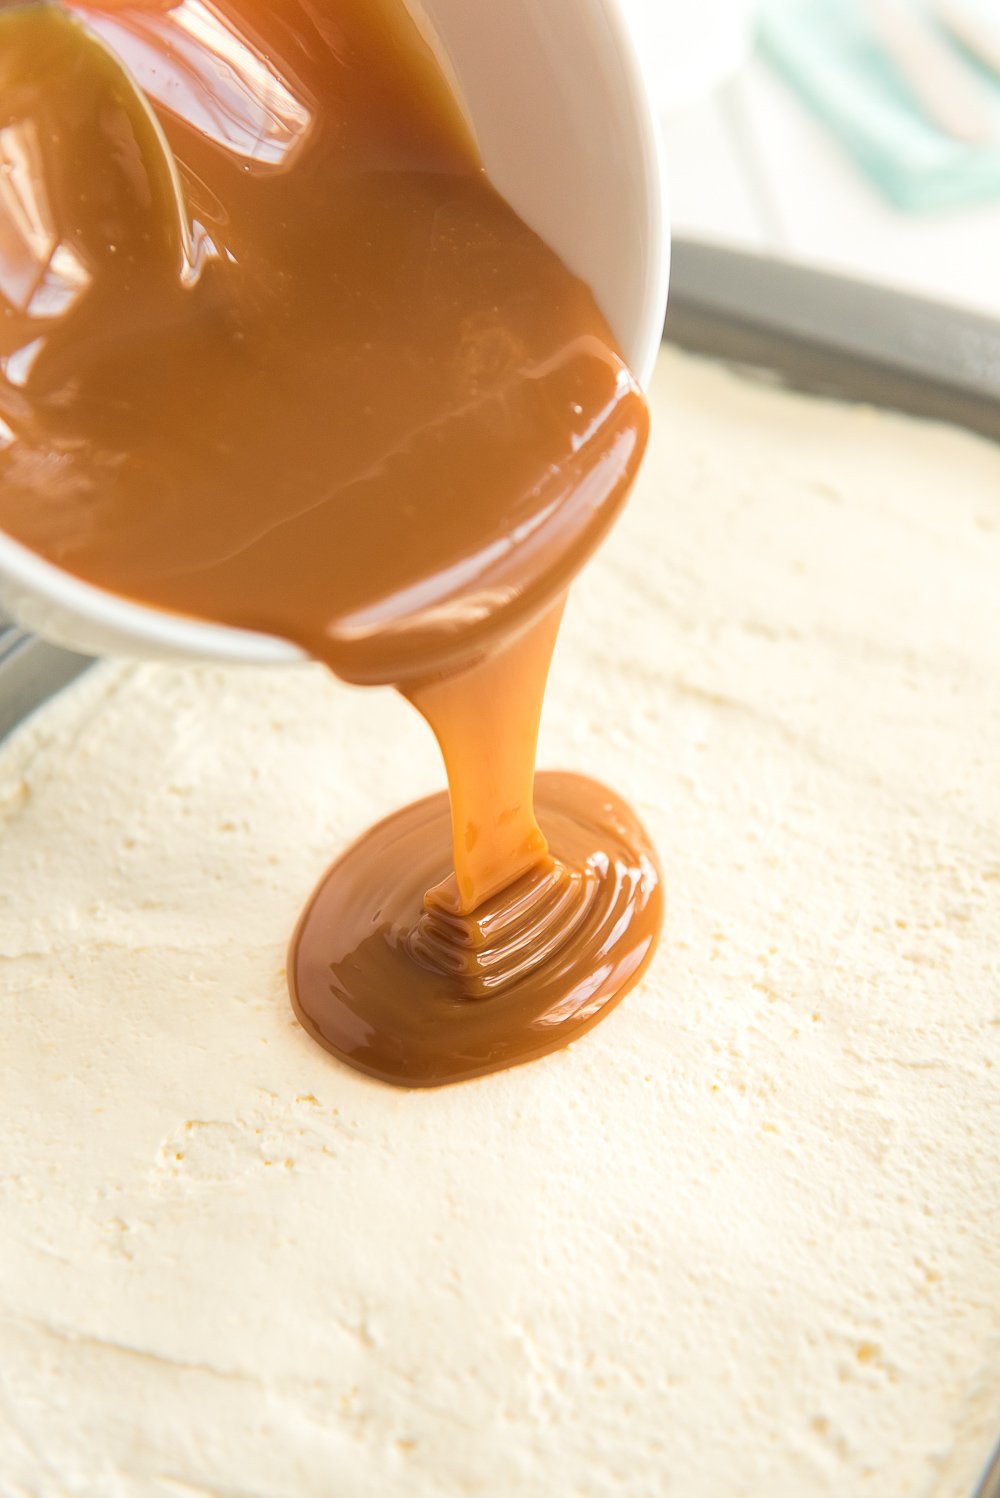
(558, 104)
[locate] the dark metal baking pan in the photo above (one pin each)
(835, 336)
(30, 671)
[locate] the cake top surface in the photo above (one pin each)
(746, 1227)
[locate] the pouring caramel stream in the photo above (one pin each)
(273, 352)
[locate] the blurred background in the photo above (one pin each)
(858, 135)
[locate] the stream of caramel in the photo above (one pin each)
(273, 352)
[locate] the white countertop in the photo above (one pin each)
(750, 166)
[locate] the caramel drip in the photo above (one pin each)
(486, 719)
(509, 936)
(273, 352)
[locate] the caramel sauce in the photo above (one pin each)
(275, 353)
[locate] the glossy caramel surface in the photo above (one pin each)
(273, 352)
(533, 969)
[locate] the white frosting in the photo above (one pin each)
(740, 1239)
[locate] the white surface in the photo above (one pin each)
(689, 48)
(750, 166)
(741, 1239)
(559, 107)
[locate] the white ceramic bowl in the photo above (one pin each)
(556, 98)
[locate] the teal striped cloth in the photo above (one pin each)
(829, 53)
